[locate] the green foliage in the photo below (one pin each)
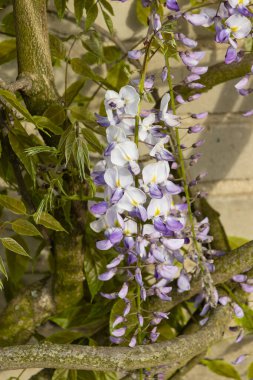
(94, 264)
(142, 13)
(7, 50)
(222, 368)
(250, 372)
(48, 221)
(79, 7)
(14, 205)
(60, 6)
(236, 241)
(99, 375)
(24, 227)
(91, 16)
(13, 246)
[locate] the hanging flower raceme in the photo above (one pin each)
(141, 216)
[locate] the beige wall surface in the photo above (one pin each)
(228, 151)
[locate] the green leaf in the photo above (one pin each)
(79, 7)
(72, 91)
(118, 76)
(222, 368)
(112, 53)
(69, 144)
(7, 50)
(107, 6)
(41, 149)
(250, 371)
(48, 221)
(142, 13)
(60, 374)
(43, 122)
(91, 16)
(92, 139)
(2, 268)
(81, 156)
(17, 265)
(14, 246)
(12, 204)
(57, 47)
(19, 145)
(60, 6)
(108, 21)
(14, 102)
(65, 336)
(236, 241)
(80, 67)
(56, 114)
(94, 264)
(23, 227)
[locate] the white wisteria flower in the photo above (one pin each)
(126, 101)
(240, 26)
(168, 118)
(126, 153)
(145, 126)
(112, 218)
(159, 207)
(118, 177)
(155, 173)
(132, 198)
(115, 134)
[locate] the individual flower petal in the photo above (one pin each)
(159, 207)
(239, 25)
(167, 271)
(239, 359)
(104, 245)
(183, 282)
(131, 99)
(238, 310)
(107, 275)
(119, 332)
(131, 199)
(173, 244)
(247, 288)
(239, 278)
(135, 54)
(172, 5)
(118, 177)
(124, 152)
(123, 291)
(155, 173)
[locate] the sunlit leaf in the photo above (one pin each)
(24, 227)
(14, 246)
(94, 264)
(222, 368)
(13, 204)
(48, 221)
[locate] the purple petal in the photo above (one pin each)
(197, 19)
(248, 113)
(99, 208)
(119, 332)
(203, 321)
(109, 296)
(183, 283)
(115, 235)
(194, 85)
(174, 224)
(231, 55)
(247, 288)
(239, 336)
(201, 115)
(155, 191)
(196, 128)
(199, 70)
(238, 311)
(129, 242)
(140, 319)
(242, 83)
(172, 188)
(115, 340)
(115, 262)
(172, 5)
(239, 360)
(239, 278)
(168, 272)
(164, 73)
(205, 310)
(133, 341)
(224, 300)
(173, 244)
(123, 291)
(191, 78)
(134, 54)
(143, 294)
(159, 225)
(104, 245)
(118, 320)
(138, 276)
(180, 99)
(117, 195)
(127, 308)
(107, 275)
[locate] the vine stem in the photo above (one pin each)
(182, 168)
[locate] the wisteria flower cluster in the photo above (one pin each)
(141, 215)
